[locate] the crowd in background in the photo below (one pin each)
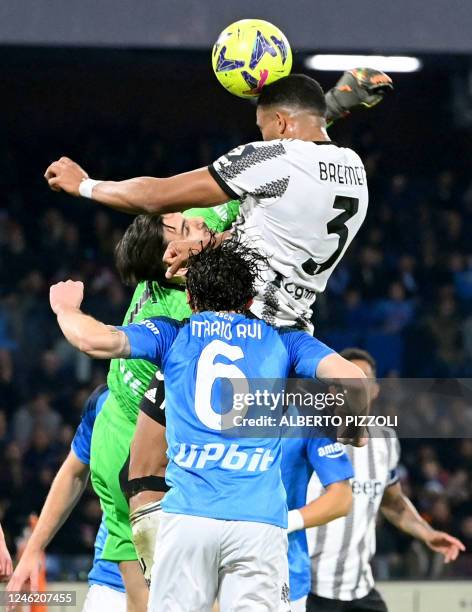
(403, 292)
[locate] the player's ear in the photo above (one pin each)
(281, 123)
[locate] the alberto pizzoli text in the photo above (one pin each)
(316, 420)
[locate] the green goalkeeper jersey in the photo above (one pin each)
(128, 379)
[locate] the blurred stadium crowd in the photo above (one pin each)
(403, 292)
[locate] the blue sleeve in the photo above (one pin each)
(152, 338)
(83, 435)
(305, 352)
(329, 460)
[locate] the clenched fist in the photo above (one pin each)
(64, 174)
(68, 294)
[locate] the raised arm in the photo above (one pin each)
(334, 369)
(195, 189)
(84, 332)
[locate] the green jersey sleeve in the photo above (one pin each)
(128, 379)
(219, 218)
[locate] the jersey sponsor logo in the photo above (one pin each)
(331, 451)
(226, 457)
(150, 325)
(370, 488)
(151, 395)
(299, 293)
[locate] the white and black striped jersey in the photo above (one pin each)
(302, 203)
(341, 551)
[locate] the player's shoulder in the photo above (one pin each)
(90, 405)
(385, 440)
(293, 338)
(323, 147)
(292, 333)
(289, 329)
(386, 432)
(258, 150)
(163, 321)
(169, 320)
(392, 438)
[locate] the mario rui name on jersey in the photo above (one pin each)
(223, 328)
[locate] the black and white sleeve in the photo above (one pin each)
(259, 169)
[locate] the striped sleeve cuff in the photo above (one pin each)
(224, 186)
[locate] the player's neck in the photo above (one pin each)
(310, 129)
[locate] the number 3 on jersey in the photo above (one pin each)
(349, 206)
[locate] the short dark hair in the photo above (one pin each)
(357, 354)
(223, 278)
(138, 255)
(295, 91)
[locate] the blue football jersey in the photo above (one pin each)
(213, 472)
(104, 573)
(300, 457)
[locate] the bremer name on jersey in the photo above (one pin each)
(302, 203)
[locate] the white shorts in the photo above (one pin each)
(240, 563)
(299, 605)
(100, 598)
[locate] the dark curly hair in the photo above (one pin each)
(138, 255)
(223, 277)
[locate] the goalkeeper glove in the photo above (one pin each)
(357, 87)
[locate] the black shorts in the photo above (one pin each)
(372, 602)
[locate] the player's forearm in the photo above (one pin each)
(334, 369)
(134, 196)
(145, 194)
(90, 336)
(402, 513)
(62, 498)
(178, 252)
(336, 502)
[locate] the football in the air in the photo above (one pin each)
(249, 54)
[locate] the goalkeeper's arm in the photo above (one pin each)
(360, 87)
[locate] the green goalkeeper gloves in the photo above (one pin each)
(357, 87)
